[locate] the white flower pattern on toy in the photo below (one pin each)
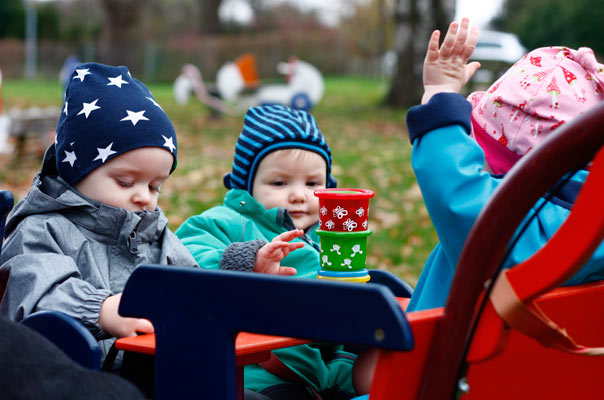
(336, 248)
(356, 249)
(330, 224)
(340, 212)
(360, 212)
(364, 224)
(349, 225)
(347, 263)
(323, 210)
(325, 260)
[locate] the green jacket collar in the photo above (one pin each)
(242, 202)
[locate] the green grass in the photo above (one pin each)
(369, 145)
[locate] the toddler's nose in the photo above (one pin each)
(142, 197)
(297, 194)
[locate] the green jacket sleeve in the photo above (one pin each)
(207, 235)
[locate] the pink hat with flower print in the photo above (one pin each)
(546, 88)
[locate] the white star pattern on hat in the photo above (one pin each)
(87, 108)
(134, 117)
(81, 74)
(104, 153)
(117, 81)
(84, 144)
(70, 157)
(169, 143)
(155, 102)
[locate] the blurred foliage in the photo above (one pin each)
(369, 28)
(163, 35)
(12, 19)
(540, 23)
(369, 144)
(56, 21)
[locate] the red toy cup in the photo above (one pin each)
(344, 210)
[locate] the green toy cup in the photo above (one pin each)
(343, 251)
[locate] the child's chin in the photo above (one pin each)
(302, 223)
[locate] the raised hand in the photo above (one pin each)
(268, 258)
(445, 69)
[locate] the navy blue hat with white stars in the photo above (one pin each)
(107, 113)
(270, 128)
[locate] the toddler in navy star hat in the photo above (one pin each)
(91, 215)
(268, 224)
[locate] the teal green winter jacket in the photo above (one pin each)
(240, 221)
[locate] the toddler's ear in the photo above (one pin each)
(226, 180)
(331, 182)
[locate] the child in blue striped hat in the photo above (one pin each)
(267, 224)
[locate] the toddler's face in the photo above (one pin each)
(131, 180)
(289, 182)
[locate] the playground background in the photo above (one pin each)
(371, 58)
(369, 143)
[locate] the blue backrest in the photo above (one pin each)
(69, 335)
(197, 313)
(6, 204)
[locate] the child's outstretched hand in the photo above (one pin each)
(268, 258)
(445, 69)
(114, 324)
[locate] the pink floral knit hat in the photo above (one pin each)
(546, 88)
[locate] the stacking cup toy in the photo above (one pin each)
(343, 234)
(344, 210)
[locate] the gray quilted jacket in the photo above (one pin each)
(68, 253)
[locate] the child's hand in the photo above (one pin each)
(269, 256)
(445, 70)
(113, 324)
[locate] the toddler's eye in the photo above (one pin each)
(277, 183)
(124, 183)
(312, 183)
(155, 188)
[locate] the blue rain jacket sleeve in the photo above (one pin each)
(448, 165)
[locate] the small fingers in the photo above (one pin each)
(144, 326)
(289, 235)
(448, 44)
(462, 36)
(282, 244)
(432, 53)
(296, 245)
(287, 271)
(470, 44)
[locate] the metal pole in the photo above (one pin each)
(31, 35)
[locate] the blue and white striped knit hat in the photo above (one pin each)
(107, 113)
(270, 128)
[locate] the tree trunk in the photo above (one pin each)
(122, 20)
(414, 22)
(210, 23)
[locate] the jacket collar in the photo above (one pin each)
(242, 202)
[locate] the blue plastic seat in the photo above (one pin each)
(69, 335)
(6, 204)
(197, 314)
